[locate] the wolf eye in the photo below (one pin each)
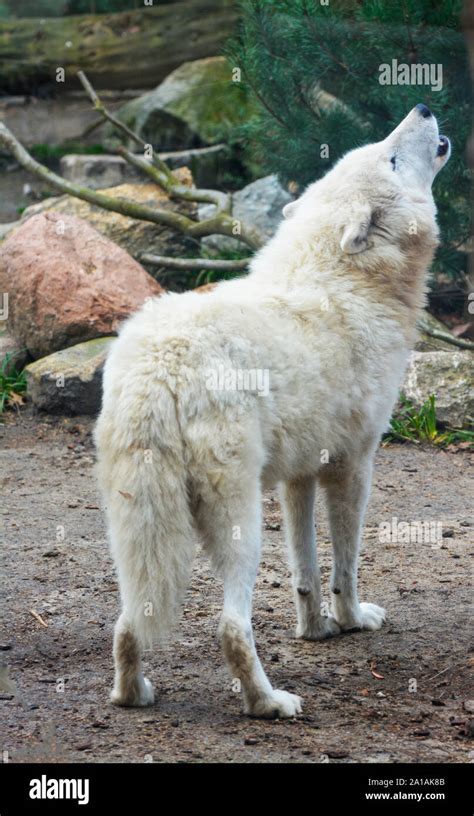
(394, 161)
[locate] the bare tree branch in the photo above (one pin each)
(195, 263)
(222, 201)
(161, 174)
(117, 123)
(156, 169)
(91, 127)
(220, 224)
(146, 167)
(448, 338)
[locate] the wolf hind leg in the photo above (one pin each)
(232, 537)
(131, 688)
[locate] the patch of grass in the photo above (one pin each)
(12, 383)
(45, 152)
(213, 276)
(410, 424)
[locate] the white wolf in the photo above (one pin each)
(329, 311)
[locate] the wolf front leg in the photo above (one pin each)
(347, 495)
(298, 505)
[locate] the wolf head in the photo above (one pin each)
(380, 194)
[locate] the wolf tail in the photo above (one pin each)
(143, 477)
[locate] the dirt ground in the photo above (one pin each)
(398, 695)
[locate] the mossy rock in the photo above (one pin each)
(197, 104)
(69, 381)
(447, 375)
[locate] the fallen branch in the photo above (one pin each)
(222, 201)
(195, 263)
(220, 224)
(117, 123)
(155, 168)
(447, 338)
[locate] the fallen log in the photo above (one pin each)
(133, 49)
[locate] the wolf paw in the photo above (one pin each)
(368, 616)
(139, 696)
(277, 705)
(325, 628)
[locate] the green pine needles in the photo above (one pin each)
(314, 72)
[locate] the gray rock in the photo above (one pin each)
(259, 204)
(69, 381)
(449, 376)
(98, 171)
(207, 165)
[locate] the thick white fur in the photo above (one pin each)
(329, 309)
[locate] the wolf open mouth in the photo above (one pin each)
(443, 146)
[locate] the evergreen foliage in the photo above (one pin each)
(288, 50)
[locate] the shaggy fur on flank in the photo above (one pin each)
(187, 437)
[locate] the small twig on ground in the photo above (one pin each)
(38, 617)
(440, 673)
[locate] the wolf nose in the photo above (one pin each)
(425, 112)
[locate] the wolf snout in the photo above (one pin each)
(423, 110)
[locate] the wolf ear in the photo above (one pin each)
(355, 236)
(289, 209)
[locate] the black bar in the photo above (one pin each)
(156, 787)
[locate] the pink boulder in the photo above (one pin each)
(66, 283)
